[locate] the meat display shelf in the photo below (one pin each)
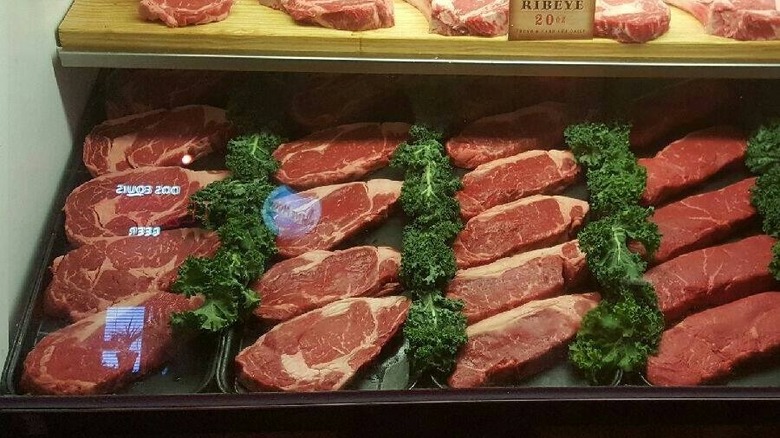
(110, 33)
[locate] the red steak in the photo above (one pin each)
(354, 15)
(523, 225)
(317, 278)
(536, 127)
(106, 351)
(95, 210)
(177, 13)
(746, 20)
(174, 137)
(712, 276)
(691, 160)
(335, 213)
(709, 345)
(698, 221)
(90, 278)
(508, 179)
(340, 154)
(323, 349)
(510, 282)
(631, 21)
(521, 342)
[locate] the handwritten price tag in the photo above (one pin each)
(551, 19)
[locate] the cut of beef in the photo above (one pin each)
(516, 344)
(323, 349)
(341, 154)
(90, 278)
(712, 276)
(323, 217)
(709, 345)
(747, 20)
(317, 278)
(121, 203)
(529, 223)
(510, 282)
(105, 352)
(537, 127)
(354, 15)
(178, 13)
(465, 17)
(698, 221)
(174, 137)
(631, 21)
(691, 160)
(508, 179)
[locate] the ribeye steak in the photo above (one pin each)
(354, 15)
(631, 21)
(465, 17)
(178, 13)
(747, 20)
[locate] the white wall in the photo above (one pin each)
(40, 104)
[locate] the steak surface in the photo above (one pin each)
(712, 276)
(317, 278)
(94, 210)
(179, 13)
(341, 154)
(513, 281)
(691, 160)
(158, 138)
(490, 138)
(90, 278)
(105, 352)
(465, 17)
(747, 20)
(323, 349)
(509, 179)
(529, 223)
(698, 221)
(354, 15)
(331, 214)
(521, 342)
(631, 21)
(709, 345)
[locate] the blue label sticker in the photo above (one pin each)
(289, 214)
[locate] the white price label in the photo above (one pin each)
(551, 19)
(145, 190)
(144, 231)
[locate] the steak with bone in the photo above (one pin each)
(631, 21)
(179, 13)
(354, 15)
(465, 17)
(746, 20)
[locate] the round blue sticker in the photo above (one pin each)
(290, 214)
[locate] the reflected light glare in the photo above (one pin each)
(186, 159)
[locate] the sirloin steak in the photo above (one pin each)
(698, 221)
(323, 349)
(178, 13)
(513, 281)
(157, 138)
(316, 278)
(712, 276)
(536, 127)
(631, 21)
(90, 278)
(516, 344)
(106, 351)
(523, 225)
(708, 346)
(341, 154)
(747, 20)
(354, 15)
(95, 210)
(333, 213)
(691, 160)
(508, 179)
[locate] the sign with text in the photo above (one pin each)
(551, 19)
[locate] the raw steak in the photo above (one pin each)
(354, 15)
(709, 345)
(508, 179)
(106, 351)
(712, 276)
(465, 17)
(523, 225)
(174, 137)
(331, 214)
(96, 210)
(631, 21)
(323, 349)
(698, 221)
(510, 282)
(691, 160)
(340, 154)
(90, 278)
(317, 278)
(747, 20)
(536, 127)
(516, 344)
(178, 13)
